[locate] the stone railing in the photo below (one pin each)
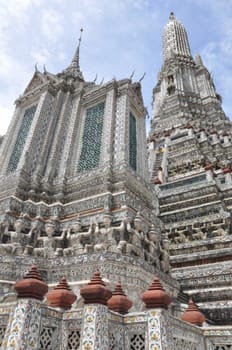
(127, 332)
(5, 312)
(184, 183)
(218, 338)
(186, 336)
(94, 325)
(71, 329)
(60, 330)
(38, 319)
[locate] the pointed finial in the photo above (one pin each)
(148, 115)
(45, 70)
(36, 67)
(102, 81)
(198, 60)
(78, 47)
(172, 16)
(76, 55)
(79, 44)
(73, 70)
(81, 30)
(95, 79)
(132, 74)
(142, 77)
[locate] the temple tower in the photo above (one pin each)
(190, 163)
(185, 90)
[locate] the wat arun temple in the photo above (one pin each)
(111, 239)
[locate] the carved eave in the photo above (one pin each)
(178, 61)
(137, 99)
(201, 70)
(166, 65)
(157, 88)
(39, 83)
(37, 80)
(136, 87)
(71, 73)
(32, 94)
(170, 67)
(97, 92)
(94, 96)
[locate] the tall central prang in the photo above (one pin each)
(190, 158)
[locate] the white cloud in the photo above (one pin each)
(51, 25)
(5, 117)
(13, 13)
(40, 56)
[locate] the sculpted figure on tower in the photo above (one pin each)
(17, 237)
(164, 257)
(152, 244)
(49, 248)
(77, 239)
(136, 237)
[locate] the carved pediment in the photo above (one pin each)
(138, 92)
(37, 80)
(170, 69)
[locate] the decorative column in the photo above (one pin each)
(22, 332)
(193, 315)
(159, 328)
(165, 156)
(62, 297)
(95, 315)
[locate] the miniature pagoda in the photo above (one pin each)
(190, 158)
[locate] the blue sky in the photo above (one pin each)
(119, 36)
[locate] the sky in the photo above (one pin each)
(119, 36)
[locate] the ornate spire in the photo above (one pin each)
(76, 57)
(175, 39)
(198, 60)
(73, 70)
